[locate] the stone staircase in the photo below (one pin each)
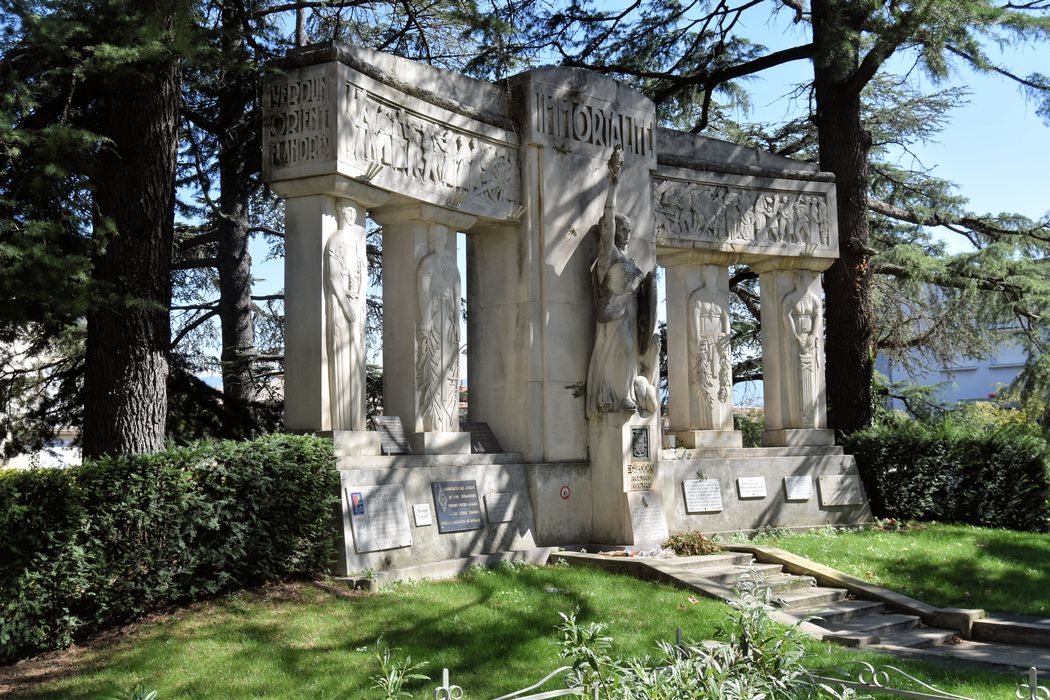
(842, 617)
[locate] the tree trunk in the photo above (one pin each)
(844, 146)
(128, 328)
(234, 261)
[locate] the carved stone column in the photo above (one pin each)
(325, 285)
(793, 353)
(699, 365)
(421, 324)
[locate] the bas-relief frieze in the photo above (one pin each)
(721, 214)
(417, 151)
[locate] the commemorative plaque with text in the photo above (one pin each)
(379, 517)
(456, 505)
(751, 486)
(702, 496)
(841, 490)
(798, 488)
(648, 522)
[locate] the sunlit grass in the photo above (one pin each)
(495, 631)
(944, 565)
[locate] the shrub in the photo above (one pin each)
(751, 423)
(690, 544)
(994, 476)
(101, 544)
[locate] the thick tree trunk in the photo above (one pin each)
(844, 146)
(235, 263)
(125, 393)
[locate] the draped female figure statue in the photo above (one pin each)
(803, 319)
(622, 373)
(710, 371)
(344, 273)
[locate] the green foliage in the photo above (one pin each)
(393, 672)
(955, 471)
(756, 658)
(751, 424)
(691, 544)
(92, 546)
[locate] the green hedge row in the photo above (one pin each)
(89, 547)
(995, 477)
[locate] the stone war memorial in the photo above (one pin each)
(570, 196)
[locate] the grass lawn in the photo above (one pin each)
(944, 565)
(494, 630)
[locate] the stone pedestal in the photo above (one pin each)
(623, 462)
(354, 443)
(793, 352)
(314, 209)
(421, 317)
(700, 439)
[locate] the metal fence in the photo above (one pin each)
(885, 680)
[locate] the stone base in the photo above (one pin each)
(697, 439)
(795, 437)
(354, 443)
(436, 443)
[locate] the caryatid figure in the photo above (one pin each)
(437, 337)
(710, 370)
(803, 322)
(344, 277)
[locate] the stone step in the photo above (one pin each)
(789, 582)
(917, 638)
(730, 575)
(839, 611)
(708, 561)
(878, 625)
(1013, 629)
(803, 598)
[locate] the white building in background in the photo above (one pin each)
(967, 379)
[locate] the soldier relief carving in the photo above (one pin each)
(344, 278)
(437, 336)
(710, 370)
(621, 377)
(737, 215)
(803, 323)
(469, 168)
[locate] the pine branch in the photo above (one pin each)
(189, 328)
(961, 280)
(981, 64)
(195, 264)
(985, 227)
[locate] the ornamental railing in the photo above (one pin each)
(864, 676)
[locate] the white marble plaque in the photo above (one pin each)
(648, 522)
(840, 490)
(798, 488)
(751, 486)
(501, 506)
(421, 512)
(379, 517)
(702, 496)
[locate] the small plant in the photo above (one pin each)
(138, 692)
(395, 672)
(691, 544)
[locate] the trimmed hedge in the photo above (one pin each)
(996, 477)
(98, 545)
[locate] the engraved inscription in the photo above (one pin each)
(648, 522)
(501, 506)
(640, 476)
(721, 214)
(467, 167)
(798, 488)
(751, 486)
(298, 121)
(421, 512)
(702, 496)
(566, 118)
(841, 490)
(379, 517)
(456, 505)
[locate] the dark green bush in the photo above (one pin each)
(993, 477)
(101, 544)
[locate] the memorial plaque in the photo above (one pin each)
(640, 476)
(648, 522)
(702, 496)
(640, 444)
(456, 505)
(798, 488)
(482, 439)
(841, 490)
(751, 486)
(392, 436)
(378, 517)
(421, 512)
(501, 506)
